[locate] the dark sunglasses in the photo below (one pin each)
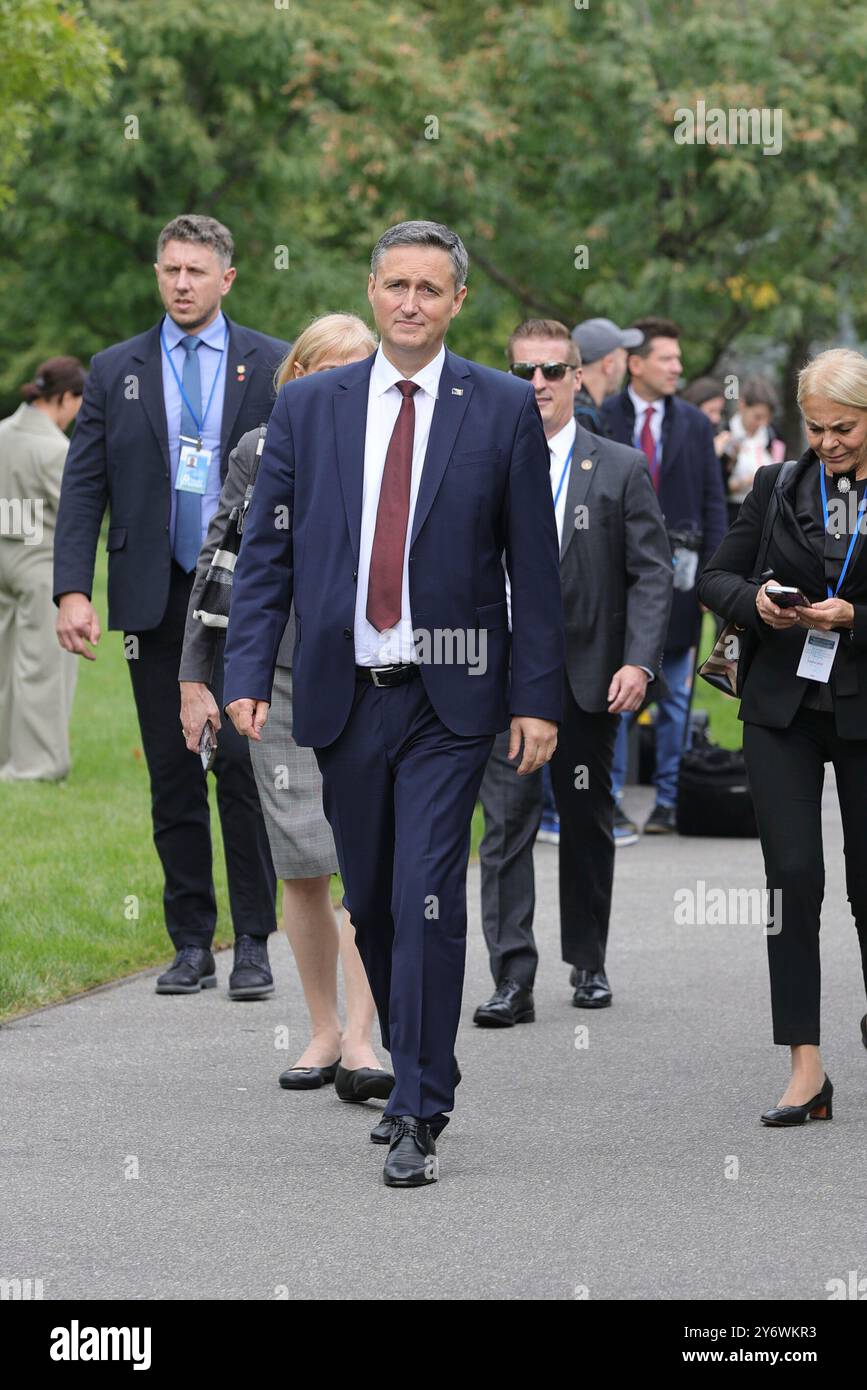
(551, 371)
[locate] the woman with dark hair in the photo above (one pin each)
(37, 678)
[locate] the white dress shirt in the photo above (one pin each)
(640, 407)
(559, 446)
(374, 648)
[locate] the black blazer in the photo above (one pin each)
(772, 692)
(119, 457)
(691, 492)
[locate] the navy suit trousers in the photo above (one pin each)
(399, 790)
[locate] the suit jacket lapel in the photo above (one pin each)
(455, 390)
(672, 435)
(580, 482)
(350, 427)
(238, 348)
(150, 389)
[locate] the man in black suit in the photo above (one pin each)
(160, 416)
(677, 442)
(615, 578)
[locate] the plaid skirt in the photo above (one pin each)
(290, 790)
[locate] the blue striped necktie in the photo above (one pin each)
(188, 516)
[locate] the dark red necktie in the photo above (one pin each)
(385, 581)
(649, 446)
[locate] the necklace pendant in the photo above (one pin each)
(843, 485)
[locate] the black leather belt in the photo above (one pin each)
(386, 676)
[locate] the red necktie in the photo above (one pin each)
(649, 446)
(385, 581)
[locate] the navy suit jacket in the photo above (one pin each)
(485, 490)
(690, 493)
(119, 457)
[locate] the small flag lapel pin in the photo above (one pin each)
(457, 390)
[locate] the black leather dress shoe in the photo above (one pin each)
(365, 1083)
(381, 1133)
(308, 1078)
(592, 990)
(192, 969)
(510, 1003)
(819, 1108)
(661, 821)
(251, 976)
(864, 1030)
(412, 1159)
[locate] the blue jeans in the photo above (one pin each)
(669, 728)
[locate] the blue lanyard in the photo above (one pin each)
(563, 474)
(832, 593)
(199, 424)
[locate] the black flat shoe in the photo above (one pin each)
(412, 1159)
(365, 1083)
(308, 1078)
(592, 990)
(819, 1108)
(510, 1003)
(192, 969)
(864, 1030)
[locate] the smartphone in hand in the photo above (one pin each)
(786, 597)
(208, 746)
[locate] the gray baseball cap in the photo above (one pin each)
(596, 337)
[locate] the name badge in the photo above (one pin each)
(193, 467)
(817, 658)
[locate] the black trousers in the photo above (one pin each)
(179, 794)
(786, 768)
(581, 778)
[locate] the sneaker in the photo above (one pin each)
(549, 830)
(625, 830)
(661, 821)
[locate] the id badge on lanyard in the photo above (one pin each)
(820, 648)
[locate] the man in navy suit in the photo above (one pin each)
(387, 495)
(160, 416)
(677, 440)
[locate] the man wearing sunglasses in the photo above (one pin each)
(616, 583)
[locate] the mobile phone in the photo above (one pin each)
(786, 597)
(208, 746)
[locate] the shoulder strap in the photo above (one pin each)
(773, 507)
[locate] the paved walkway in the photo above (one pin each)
(600, 1168)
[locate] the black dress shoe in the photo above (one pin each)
(661, 821)
(592, 990)
(381, 1133)
(510, 1003)
(308, 1078)
(819, 1108)
(251, 976)
(864, 1030)
(365, 1083)
(192, 969)
(412, 1159)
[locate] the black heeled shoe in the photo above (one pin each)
(308, 1078)
(819, 1108)
(864, 1030)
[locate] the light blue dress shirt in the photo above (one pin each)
(212, 357)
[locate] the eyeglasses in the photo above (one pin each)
(551, 371)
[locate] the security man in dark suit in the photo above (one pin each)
(615, 577)
(160, 416)
(677, 441)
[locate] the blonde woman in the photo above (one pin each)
(804, 694)
(290, 786)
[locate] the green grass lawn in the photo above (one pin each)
(81, 891)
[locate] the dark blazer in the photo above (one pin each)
(484, 490)
(772, 692)
(119, 457)
(615, 570)
(201, 642)
(691, 493)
